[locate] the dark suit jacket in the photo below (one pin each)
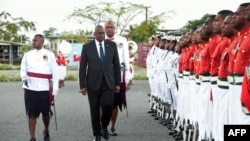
(92, 69)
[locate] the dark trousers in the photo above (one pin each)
(102, 98)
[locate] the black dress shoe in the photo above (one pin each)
(157, 118)
(97, 138)
(32, 139)
(105, 133)
(150, 112)
(172, 132)
(179, 138)
(46, 136)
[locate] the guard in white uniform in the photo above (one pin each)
(123, 50)
(39, 74)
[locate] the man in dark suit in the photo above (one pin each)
(100, 77)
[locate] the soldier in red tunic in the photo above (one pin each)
(240, 59)
(245, 95)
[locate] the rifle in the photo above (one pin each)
(166, 76)
(176, 82)
(171, 96)
(51, 112)
(55, 113)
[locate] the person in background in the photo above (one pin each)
(40, 83)
(62, 63)
(132, 59)
(122, 47)
(238, 60)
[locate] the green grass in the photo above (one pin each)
(9, 67)
(4, 77)
(9, 78)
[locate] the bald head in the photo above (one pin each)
(110, 28)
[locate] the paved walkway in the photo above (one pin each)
(73, 116)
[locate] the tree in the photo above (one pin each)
(195, 23)
(122, 14)
(50, 32)
(144, 31)
(22, 39)
(10, 26)
(78, 37)
(148, 28)
(24, 49)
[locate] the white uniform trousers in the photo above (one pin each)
(179, 100)
(152, 90)
(205, 110)
(234, 105)
(174, 97)
(184, 100)
(62, 72)
(236, 115)
(222, 113)
(193, 101)
(196, 105)
(215, 110)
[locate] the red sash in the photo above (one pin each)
(45, 76)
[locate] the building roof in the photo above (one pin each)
(8, 43)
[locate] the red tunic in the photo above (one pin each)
(243, 56)
(180, 63)
(185, 60)
(245, 93)
(234, 50)
(193, 49)
(215, 58)
(224, 59)
(206, 54)
(197, 59)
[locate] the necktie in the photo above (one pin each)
(101, 52)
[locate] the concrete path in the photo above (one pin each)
(73, 116)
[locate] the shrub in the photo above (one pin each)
(9, 67)
(4, 77)
(71, 76)
(140, 77)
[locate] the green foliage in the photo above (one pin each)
(144, 31)
(50, 32)
(4, 77)
(72, 67)
(15, 78)
(71, 76)
(9, 67)
(24, 49)
(10, 26)
(195, 23)
(9, 78)
(121, 12)
(79, 37)
(140, 77)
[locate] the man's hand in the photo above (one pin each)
(83, 91)
(117, 89)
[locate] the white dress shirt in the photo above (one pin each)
(123, 51)
(98, 47)
(43, 62)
